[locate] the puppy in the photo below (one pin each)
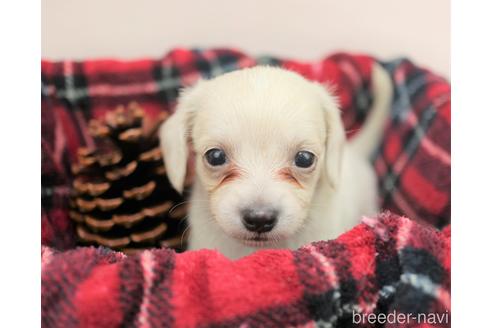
(273, 167)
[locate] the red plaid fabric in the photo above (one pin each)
(413, 162)
(387, 265)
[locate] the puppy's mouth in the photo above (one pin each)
(257, 241)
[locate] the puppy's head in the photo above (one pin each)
(263, 138)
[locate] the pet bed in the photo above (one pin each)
(386, 265)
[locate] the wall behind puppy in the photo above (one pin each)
(79, 29)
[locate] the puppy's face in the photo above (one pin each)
(263, 138)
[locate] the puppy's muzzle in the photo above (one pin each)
(259, 219)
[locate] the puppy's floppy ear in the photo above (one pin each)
(335, 138)
(174, 134)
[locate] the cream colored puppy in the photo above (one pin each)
(273, 167)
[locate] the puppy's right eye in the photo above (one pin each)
(304, 159)
(215, 157)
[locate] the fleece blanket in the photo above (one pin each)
(388, 271)
(391, 267)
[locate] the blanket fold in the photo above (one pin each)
(385, 265)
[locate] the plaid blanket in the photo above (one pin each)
(388, 268)
(413, 162)
(387, 265)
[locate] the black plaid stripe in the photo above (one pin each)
(58, 288)
(389, 182)
(421, 278)
(387, 272)
(167, 79)
(72, 88)
(216, 65)
(406, 95)
(363, 94)
(160, 308)
(334, 306)
(269, 61)
(131, 290)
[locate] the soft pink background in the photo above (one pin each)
(302, 29)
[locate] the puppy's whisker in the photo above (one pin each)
(186, 202)
(184, 232)
(177, 205)
(275, 240)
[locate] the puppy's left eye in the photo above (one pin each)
(304, 159)
(215, 157)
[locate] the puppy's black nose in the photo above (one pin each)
(259, 220)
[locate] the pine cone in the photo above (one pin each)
(121, 196)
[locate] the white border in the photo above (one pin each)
(471, 74)
(20, 283)
(20, 163)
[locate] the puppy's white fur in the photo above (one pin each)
(261, 117)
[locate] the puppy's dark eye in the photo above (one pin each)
(304, 159)
(215, 157)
